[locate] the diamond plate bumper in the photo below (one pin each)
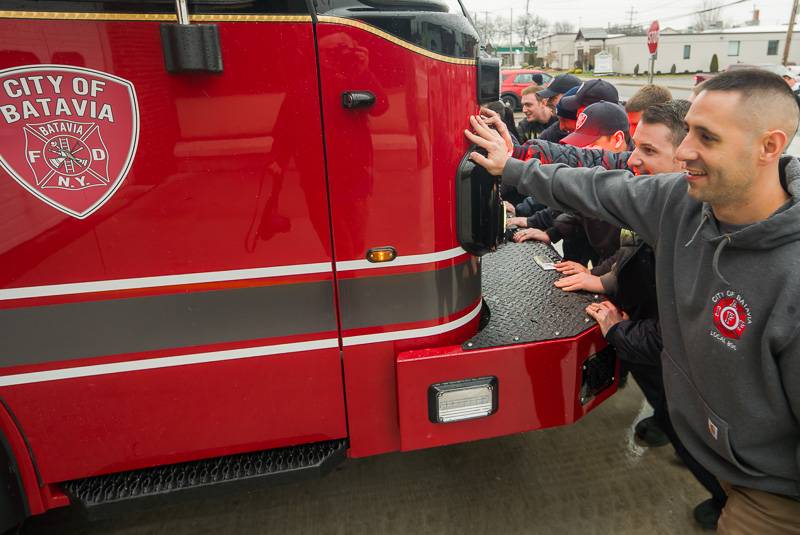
(524, 303)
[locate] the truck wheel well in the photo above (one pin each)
(13, 507)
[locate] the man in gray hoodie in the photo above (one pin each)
(726, 236)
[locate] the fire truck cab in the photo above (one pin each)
(242, 240)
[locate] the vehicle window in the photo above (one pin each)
(546, 78)
(526, 78)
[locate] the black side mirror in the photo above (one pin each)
(488, 80)
(480, 216)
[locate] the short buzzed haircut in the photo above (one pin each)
(768, 95)
(647, 96)
(671, 114)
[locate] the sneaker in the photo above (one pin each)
(650, 433)
(707, 514)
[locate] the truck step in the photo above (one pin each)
(113, 493)
(525, 305)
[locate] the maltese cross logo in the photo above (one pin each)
(66, 155)
(730, 318)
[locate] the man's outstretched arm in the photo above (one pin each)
(549, 152)
(553, 152)
(615, 196)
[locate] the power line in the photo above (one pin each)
(640, 22)
(699, 11)
(631, 13)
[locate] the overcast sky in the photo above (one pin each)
(672, 13)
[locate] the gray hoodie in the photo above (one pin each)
(729, 306)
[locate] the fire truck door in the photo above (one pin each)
(183, 305)
(392, 161)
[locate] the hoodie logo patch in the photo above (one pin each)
(731, 314)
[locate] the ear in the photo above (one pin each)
(619, 139)
(773, 143)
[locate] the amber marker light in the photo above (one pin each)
(381, 254)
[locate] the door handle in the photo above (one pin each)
(357, 99)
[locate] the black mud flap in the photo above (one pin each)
(111, 494)
(598, 373)
(525, 305)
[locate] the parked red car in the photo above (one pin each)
(513, 81)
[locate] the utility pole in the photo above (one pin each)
(485, 26)
(789, 33)
(511, 32)
(525, 29)
(631, 13)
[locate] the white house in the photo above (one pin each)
(588, 43)
(557, 50)
(692, 52)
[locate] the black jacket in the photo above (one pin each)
(531, 130)
(631, 285)
(528, 207)
(553, 133)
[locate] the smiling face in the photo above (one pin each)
(535, 110)
(655, 152)
(721, 150)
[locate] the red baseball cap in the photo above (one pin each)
(598, 120)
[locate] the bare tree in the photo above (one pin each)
(533, 27)
(563, 26)
(489, 29)
(707, 15)
(504, 29)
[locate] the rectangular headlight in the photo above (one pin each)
(462, 400)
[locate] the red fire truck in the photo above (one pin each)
(241, 241)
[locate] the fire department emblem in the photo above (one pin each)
(67, 134)
(581, 119)
(730, 318)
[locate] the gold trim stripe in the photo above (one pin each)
(221, 17)
(149, 17)
(396, 40)
(250, 18)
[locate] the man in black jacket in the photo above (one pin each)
(538, 115)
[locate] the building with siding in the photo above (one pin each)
(692, 52)
(557, 50)
(689, 52)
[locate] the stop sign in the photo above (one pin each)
(652, 37)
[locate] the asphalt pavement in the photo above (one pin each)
(588, 478)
